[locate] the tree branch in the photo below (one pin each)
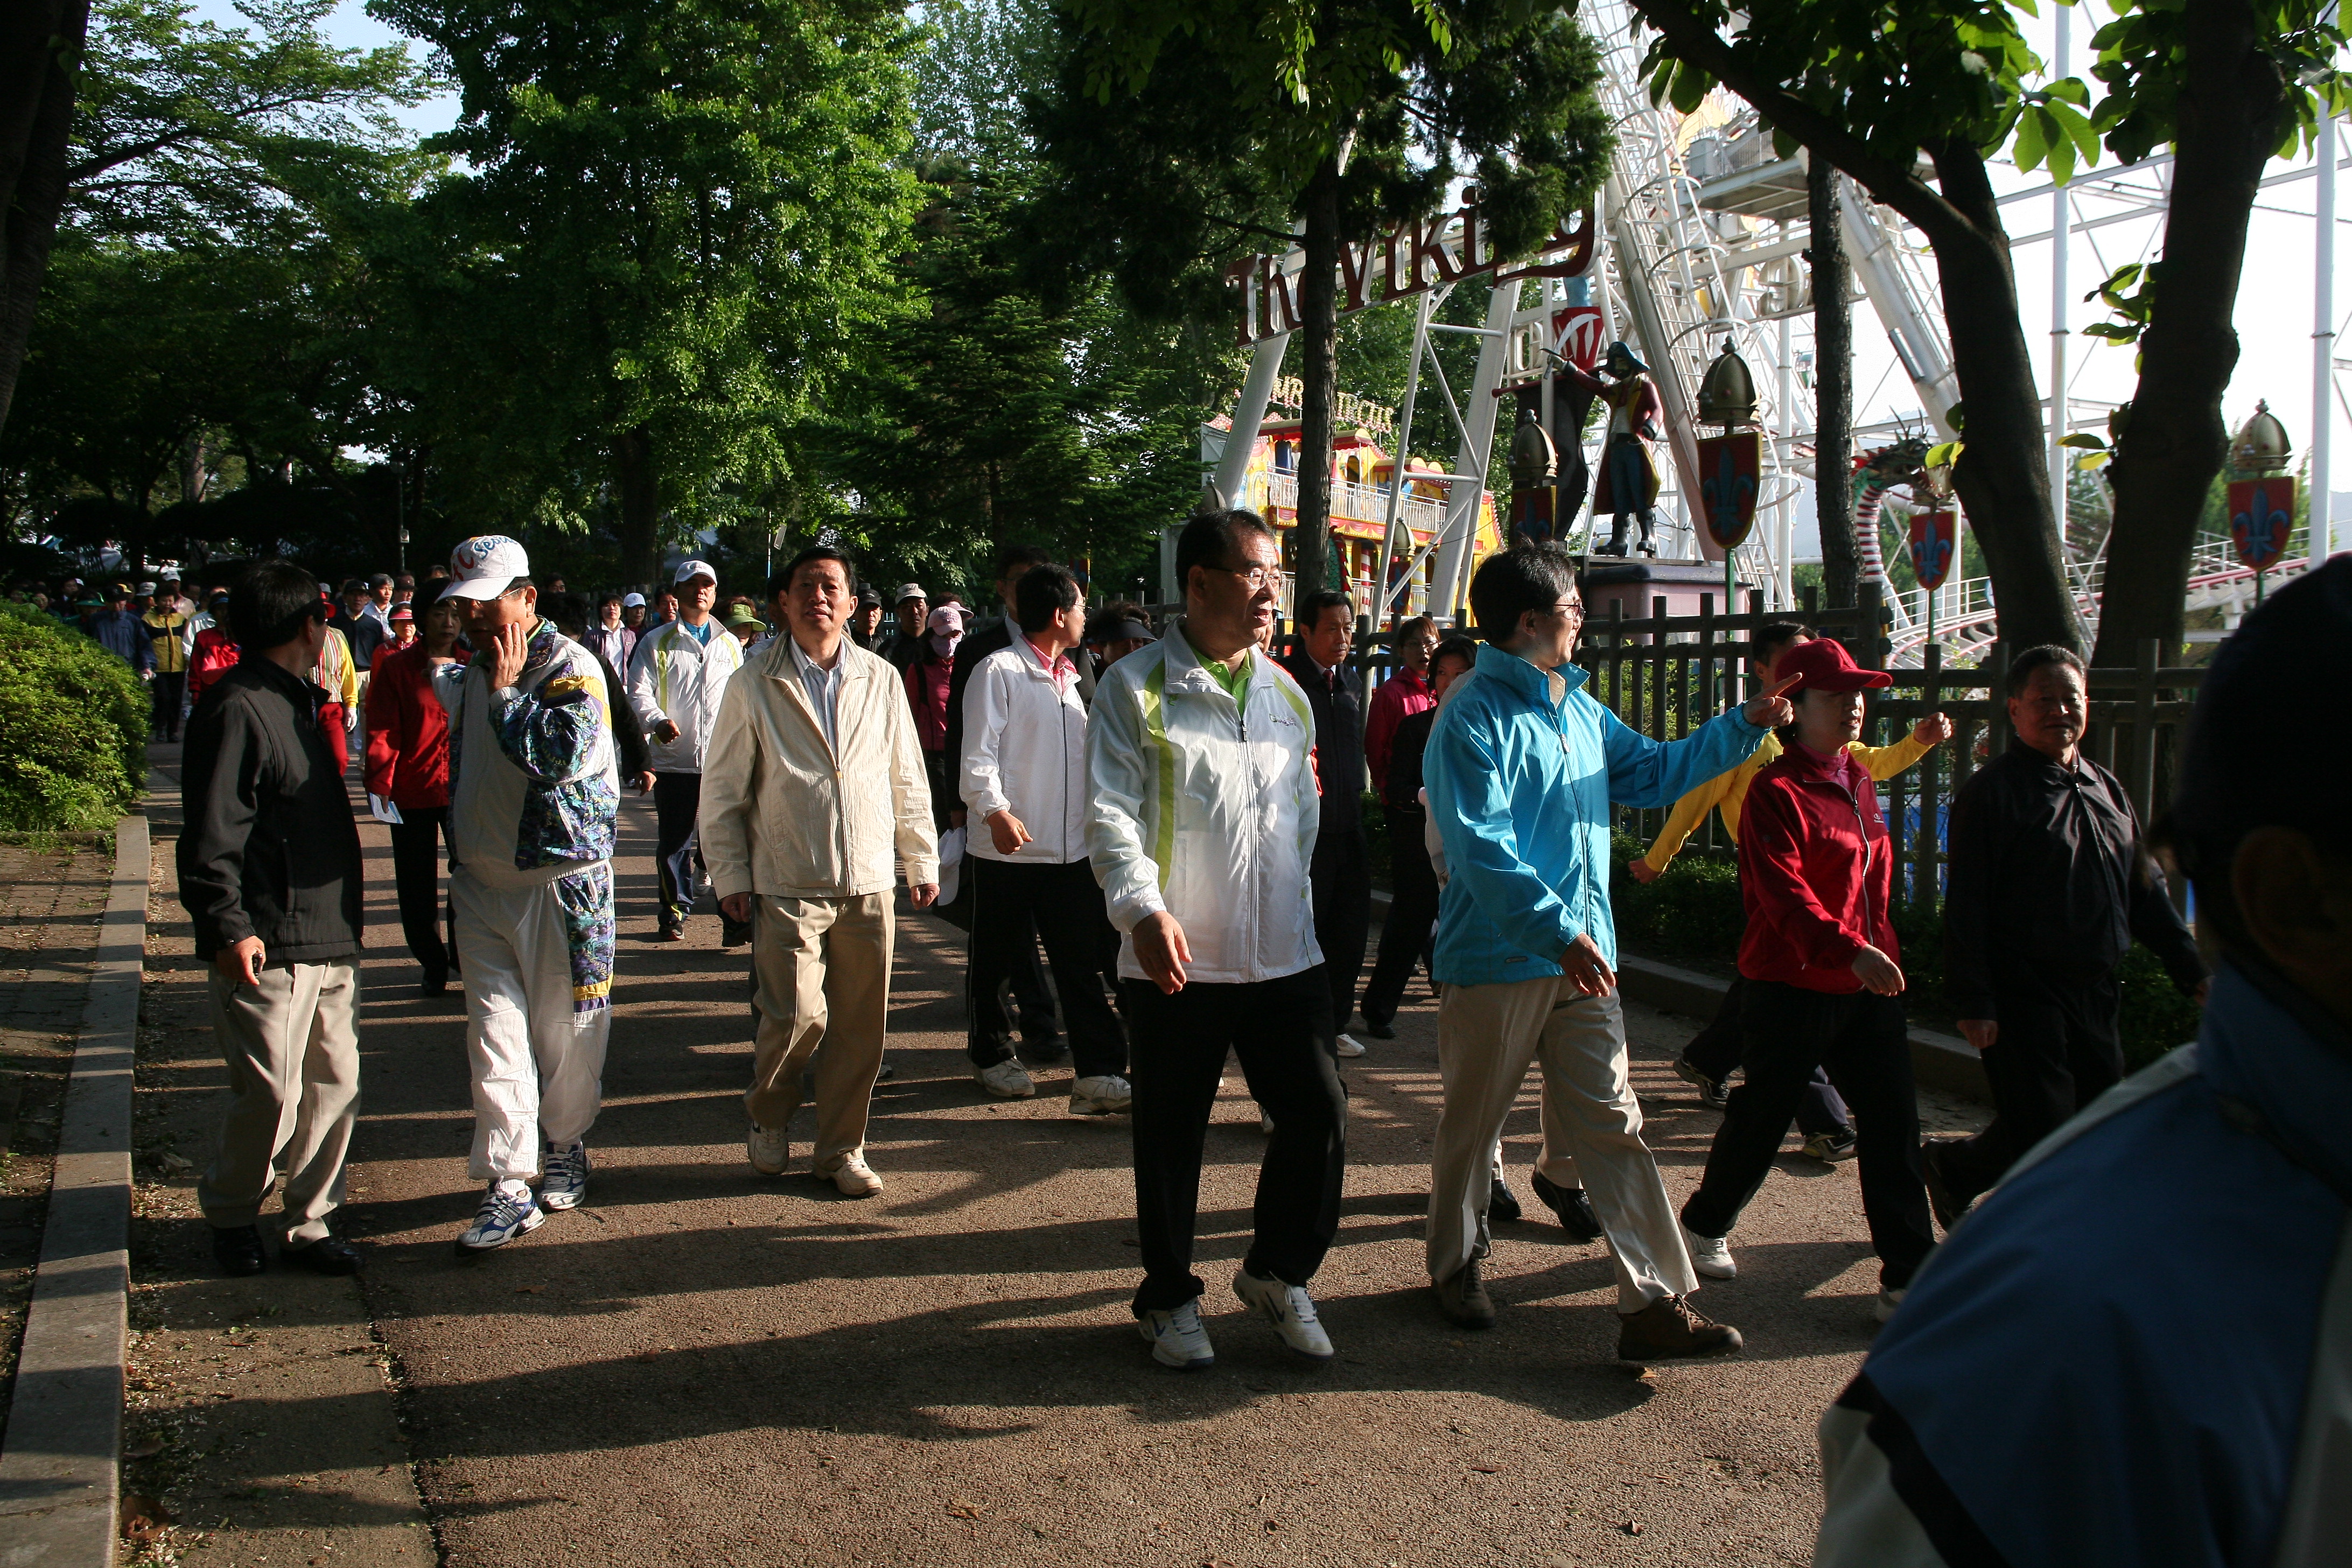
(1691, 38)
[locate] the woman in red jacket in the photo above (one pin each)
(1824, 980)
(408, 781)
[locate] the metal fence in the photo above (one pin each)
(1664, 674)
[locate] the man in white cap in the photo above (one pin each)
(632, 612)
(534, 789)
(912, 619)
(675, 678)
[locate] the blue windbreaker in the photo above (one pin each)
(1520, 793)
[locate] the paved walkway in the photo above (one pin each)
(706, 1367)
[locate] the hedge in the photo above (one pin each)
(73, 728)
(1692, 911)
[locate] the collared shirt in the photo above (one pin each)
(1059, 667)
(824, 688)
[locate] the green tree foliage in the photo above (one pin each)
(672, 224)
(75, 719)
(1183, 135)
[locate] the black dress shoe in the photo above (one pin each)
(434, 986)
(1501, 1206)
(1379, 1029)
(327, 1255)
(237, 1249)
(1574, 1209)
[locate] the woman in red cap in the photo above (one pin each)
(1824, 977)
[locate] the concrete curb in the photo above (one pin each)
(60, 1474)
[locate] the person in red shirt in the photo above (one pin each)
(1824, 978)
(408, 780)
(403, 636)
(928, 677)
(1401, 695)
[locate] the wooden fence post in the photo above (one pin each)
(2140, 778)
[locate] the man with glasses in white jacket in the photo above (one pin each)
(1025, 773)
(1202, 826)
(675, 681)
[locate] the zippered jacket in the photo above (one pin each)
(1520, 787)
(1024, 750)
(1816, 872)
(407, 731)
(2136, 1352)
(673, 677)
(1205, 809)
(534, 785)
(1727, 792)
(787, 815)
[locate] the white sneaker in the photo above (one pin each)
(566, 1182)
(853, 1177)
(1351, 1046)
(1887, 1301)
(770, 1149)
(1711, 1255)
(1008, 1079)
(1176, 1338)
(508, 1211)
(1290, 1310)
(1103, 1095)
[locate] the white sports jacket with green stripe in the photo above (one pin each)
(1205, 809)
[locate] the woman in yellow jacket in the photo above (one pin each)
(338, 675)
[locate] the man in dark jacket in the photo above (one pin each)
(1412, 881)
(1341, 872)
(360, 629)
(2049, 886)
(270, 873)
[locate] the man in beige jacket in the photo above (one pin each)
(812, 792)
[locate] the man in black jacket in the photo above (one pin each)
(1340, 872)
(269, 872)
(2049, 885)
(990, 1020)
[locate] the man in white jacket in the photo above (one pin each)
(1024, 773)
(1202, 826)
(534, 790)
(813, 792)
(675, 679)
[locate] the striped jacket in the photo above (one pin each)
(1207, 809)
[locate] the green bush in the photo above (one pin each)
(1693, 912)
(73, 728)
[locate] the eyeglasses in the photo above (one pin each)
(1259, 578)
(1573, 610)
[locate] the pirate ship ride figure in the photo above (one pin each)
(1628, 478)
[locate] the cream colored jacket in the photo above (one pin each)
(783, 814)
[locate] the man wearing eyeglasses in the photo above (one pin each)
(1202, 828)
(1521, 768)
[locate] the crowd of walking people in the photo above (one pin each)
(1169, 821)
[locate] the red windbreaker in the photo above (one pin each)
(1816, 872)
(408, 732)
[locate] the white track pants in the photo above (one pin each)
(538, 1065)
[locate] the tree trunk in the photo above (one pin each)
(2175, 439)
(1833, 282)
(640, 497)
(2003, 474)
(1318, 320)
(36, 93)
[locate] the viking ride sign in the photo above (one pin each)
(1732, 469)
(2261, 515)
(1418, 254)
(1935, 545)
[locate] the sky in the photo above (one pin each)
(351, 28)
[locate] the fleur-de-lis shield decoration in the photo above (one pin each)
(1729, 468)
(1935, 545)
(2262, 514)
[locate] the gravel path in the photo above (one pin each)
(705, 1366)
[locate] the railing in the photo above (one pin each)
(1359, 503)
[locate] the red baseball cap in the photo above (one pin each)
(1823, 665)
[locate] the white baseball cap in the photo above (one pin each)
(481, 567)
(631, 601)
(691, 569)
(147, 588)
(908, 591)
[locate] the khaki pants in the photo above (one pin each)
(821, 977)
(293, 1060)
(1486, 1037)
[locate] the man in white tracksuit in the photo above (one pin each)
(1024, 775)
(534, 790)
(675, 679)
(1202, 826)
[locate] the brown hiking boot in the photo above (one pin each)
(1464, 1299)
(1669, 1328)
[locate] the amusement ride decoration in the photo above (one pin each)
(2262, 508)
(1629, 478)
